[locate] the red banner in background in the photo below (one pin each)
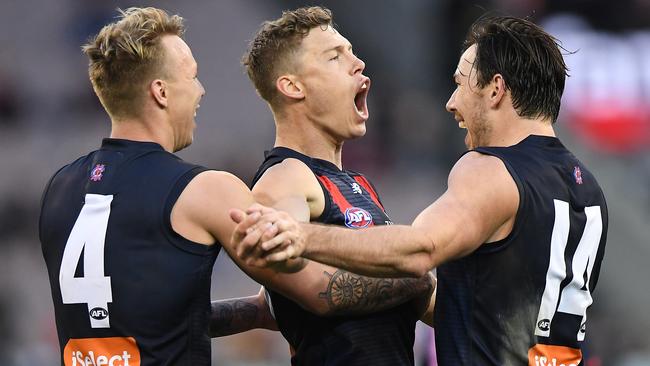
(610, 128)
(606, 101)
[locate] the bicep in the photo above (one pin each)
(228, 192)
(481, 198)
(224, 194)
(452, 225)
(290, 186)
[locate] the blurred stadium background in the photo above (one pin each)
(50, 116)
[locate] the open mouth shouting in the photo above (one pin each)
(360, 99)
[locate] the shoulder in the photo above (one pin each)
(475, 167)
(211, 194)
(209, 182)
(291, 167)
(485, 180)
(291, 174)
(292, 186)
(211, 191)
(201, 211)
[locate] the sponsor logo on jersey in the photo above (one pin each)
(551, 355)
(96, 173)
(111, 351)
(98, 313)
(544, 325)
(357, 218)
(577, 174)
(356, 188)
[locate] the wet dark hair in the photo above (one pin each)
(528, 58)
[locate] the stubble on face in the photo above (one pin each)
(480, 128)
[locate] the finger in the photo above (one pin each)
(266, 221)
(256, 257)
(281, 256)
(262, 225)
(246, 246)
(277, 241)
(270, 232)
(237, 215)
(249, 221)
(256, 207)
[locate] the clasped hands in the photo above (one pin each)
(265, 237)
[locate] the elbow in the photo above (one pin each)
(415, 268)
(418, 264)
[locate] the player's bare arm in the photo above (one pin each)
(319, 288)
(242, 314)
(479, 206)
(427, 316)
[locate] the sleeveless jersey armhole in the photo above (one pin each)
(278, 155)
(501, 244)
(175, 238)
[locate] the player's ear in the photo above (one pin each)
(158, 90)
(497, 90)
(289, 86)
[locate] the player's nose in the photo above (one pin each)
(450, 106)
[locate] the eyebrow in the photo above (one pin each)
(339, 47)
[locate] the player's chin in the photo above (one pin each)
(185, 142)
(358, 130)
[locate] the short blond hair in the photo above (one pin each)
(126, 55)
(275, 44)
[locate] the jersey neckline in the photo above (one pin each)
(327, 163)
(114, 144)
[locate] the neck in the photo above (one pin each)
(144, 130)
(511, 131)
(297, 133)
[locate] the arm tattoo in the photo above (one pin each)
(349, 293)
(232, 316)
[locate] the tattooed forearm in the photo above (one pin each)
(234, 316)
(349, 293)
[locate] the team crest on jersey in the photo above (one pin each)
(577, 174)
(97, 172)
(357, 218)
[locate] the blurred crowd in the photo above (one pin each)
(49, 116)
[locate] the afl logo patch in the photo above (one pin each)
(96, 173)
(544, 325)
(357, 218)
(98, 313)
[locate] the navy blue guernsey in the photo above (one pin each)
(127, 289)
(523, 300)
(383, 338)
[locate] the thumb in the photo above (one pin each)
(237, 215)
